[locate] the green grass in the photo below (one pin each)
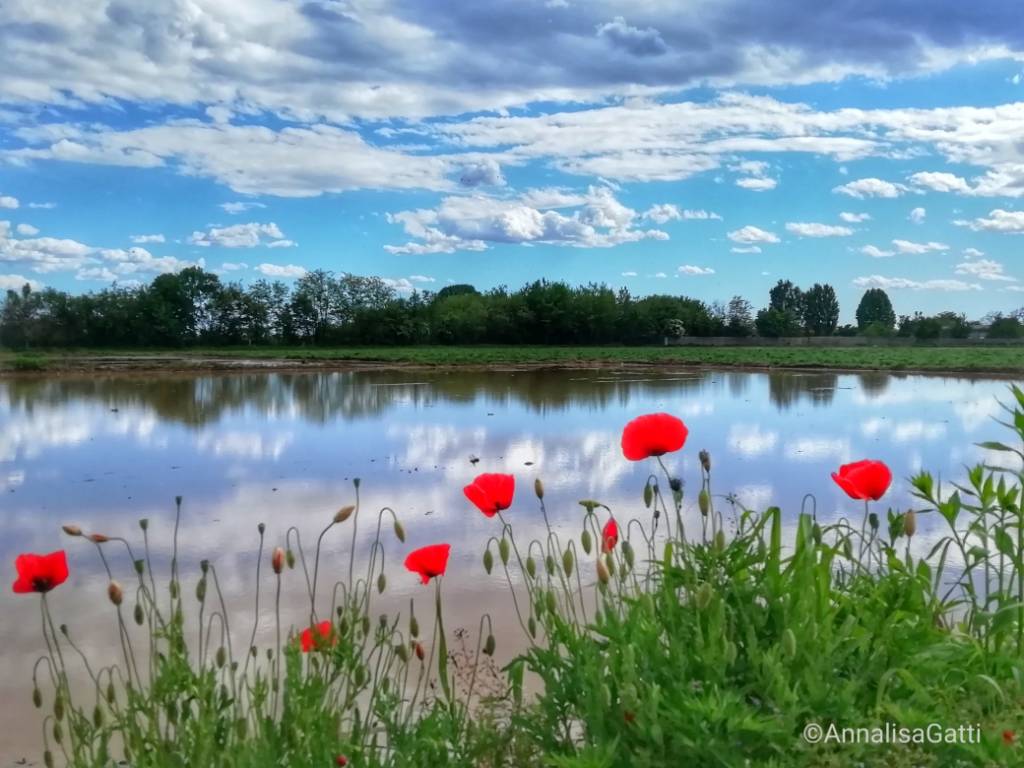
(710, 646)
(981, 359)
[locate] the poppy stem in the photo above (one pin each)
(256, 612)
(442, 644)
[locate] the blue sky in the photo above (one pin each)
(695, 148)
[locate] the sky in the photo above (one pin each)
(706, 148)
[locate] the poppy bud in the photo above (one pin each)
(144, 523)
(72, 530)
(602, 572)
(37, 697)
(115, 593)
(567, 562)
(585, 540)
(627, 553)
(201, 590)
(420, 653)
(720, 540)
(910, 523)
(344, 514)
(704, 595)
(172, 588)
(399, 531)
(98, 538)
(204, 566)
(138, 614)
(289, 558)
(531, 627)
(140, 566)
(402, 653)
(789, 643)
(277, 560)
(489, 645)
(504, 551)
(550, 603)
(58, 708)
(488, 560)
(549, 565)
(538, 488)
(703, 502)
(531, 567)
(221, 657)
(58, 732)
(873, 521)
(816, 533)
(382, 582)
(97, 716)
(48, 759)
(648, 495)
(341, 761)
(365, 623)
(383, 621)
(847, 549)
(705, 460)
(610, 561)
(414, 627)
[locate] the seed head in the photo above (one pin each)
(344, 514)
(115, 593)
(72, 530)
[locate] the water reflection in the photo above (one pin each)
(283, 448)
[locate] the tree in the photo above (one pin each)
(739, 317)
(786, 297)
(775, 323)
(1005, 328)
(875, 307)
(821, 310)
(19, 315)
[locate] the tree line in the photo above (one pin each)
(194, 307)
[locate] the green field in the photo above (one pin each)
(980, 359)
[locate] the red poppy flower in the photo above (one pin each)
(864, 479)
(325, 632)
(610, 534)
(40, 573)
(653, 435)
(429, 562)
(1009, 737)
(491, 493)
(341, 761)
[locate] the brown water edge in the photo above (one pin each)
(129, 365)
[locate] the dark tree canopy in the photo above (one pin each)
(875, 308)
(821, 310)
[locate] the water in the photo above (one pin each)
(283, 449)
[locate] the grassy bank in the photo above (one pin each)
(938, 359)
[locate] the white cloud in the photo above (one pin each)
(854, 218)
(907, 246)
(248, 235)
(26, 229)
(15, 282)
(6, 201)
(941, 182)
(44, 206)
(473, 222)
(483, 172)
(749, 440)
(142, 239)
(745, 249)
(1009, 222)
(811, 229)
(870, 187)
(282, 244)
(691, 269)
(629, 274)
(666, 212)
(917, 215)
(422, 279)
(875, 252)
(900, 283)
(240, 207)
(973, 253)
(284, 271)
(750, 234)
(757, 184)
(233, 266)
(984, 269)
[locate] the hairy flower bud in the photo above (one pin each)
(602, 571)
(585, 540)
(488, 560)
(138, 614)
(420, 653)
(489, 645)
(531, 567)
(277, 560)
(201, 590)
(538, 488)
(531, 627)
(399, 531)
(567, 562)
(72, 530)
(504, 551)
(37, 697)
(648, 494)
(704, 502)
(402, 652)
(115, 593)
(289, 558)
(414, 626)
(98, 538)
(344, 514)
(221, 657)
(382, 582)
(705, 460)
(910, 523)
